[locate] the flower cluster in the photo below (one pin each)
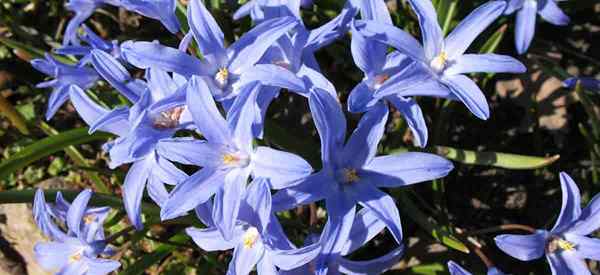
(204, 104)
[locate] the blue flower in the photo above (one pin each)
(365, 227)
(163, 10)
(589, 83)
(526, 17)
(385, 74)
(159, 111)
(93, 41)
(64, 76)
(257, 239)
(221, 67)
(444, 59)
(566, 245)
(77, 250)
(352, 174)
(227, 158)
(456, 269)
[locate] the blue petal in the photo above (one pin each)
(362, 144)
(586, 82)
(486, 63)
(330, 122)
(589, 220)
(414, 118)
(571, 204)
(133, 190)
(456, 269)
(361, 98)
(277, 76)
(161, 85)
(525, 26)
(392, 36)
(417, 167)
(162, 10)
(166, 172)
(374, 10)
(157, 191)
(209, 239)
(375, 266)
(513, 5)
(190, 151)
(365, 227)
(247, 50)
(204, 213)
(340, 217)
(77, 210)
(207, 32)
(58, 97)
(293, 258)
(433, 38)
(196, 189)
(332, 30)
(228, 200)
(204, 110)
(82, 12)
(265, 266)
(256, 207)
(41, 215)
(315, 80)
(313, 188)
(148, 54)
(404, 81)
(101, 266)
(54, 255)
(111, 119)
(368, 55)
(469, 28)
(283, 169)
(244, 259)
(115, 74)
(563, 264)
(469, 93)
(91, 112)
(523, 247)
(549, 10)
(586, 247)
(242, 114)
(382, 205)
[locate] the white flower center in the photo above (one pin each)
(350, 175)
(222, 77)
(250, 237)
(237, 159)
(439, 62)
(557, 243)
(168, 119)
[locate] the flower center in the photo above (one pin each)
(75, 257)
(380, 79)
(88, 219)
(439, 62)
(235, 159)
(221, 77)
(250, 237)
(350, 175)
(168, 119)
(557, 243)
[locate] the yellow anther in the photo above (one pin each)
(350, 175)
(439, 62)
(565, 245)
(88, 219)
(75, 257)
(230, 159)
(250, 237)
(222, 76)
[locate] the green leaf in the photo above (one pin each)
(161, 252)
(428, 269)
(428, 224)
(13, 116)
(47, 146)
(502, 160)
(491, 45)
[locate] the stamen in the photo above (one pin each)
(168, 119)
(230, 159)
(75, 257)
(439, 62)
(222, 76)
(557, 243)
(282, 63)
(250, 237)
(88, 219)
(350, 175)
(380, 79)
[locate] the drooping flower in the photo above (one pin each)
(365, 227)
(162, 10)
(257, 239)
(94, 42)
(227, 158)
(352, 174)
(566, 245)
(589, 83)
(64, 76)
(220, 67)
(77, 251)
(444, 59)
(456, 269)
(159, 111)
(383, 73)
(526, 17)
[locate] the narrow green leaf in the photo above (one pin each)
(161, 252)
(31, 51)
(47, 146)
(429, 269)
(502, 160)
(15, 118)
(78, 158)
(428, 224)
(491, 45)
